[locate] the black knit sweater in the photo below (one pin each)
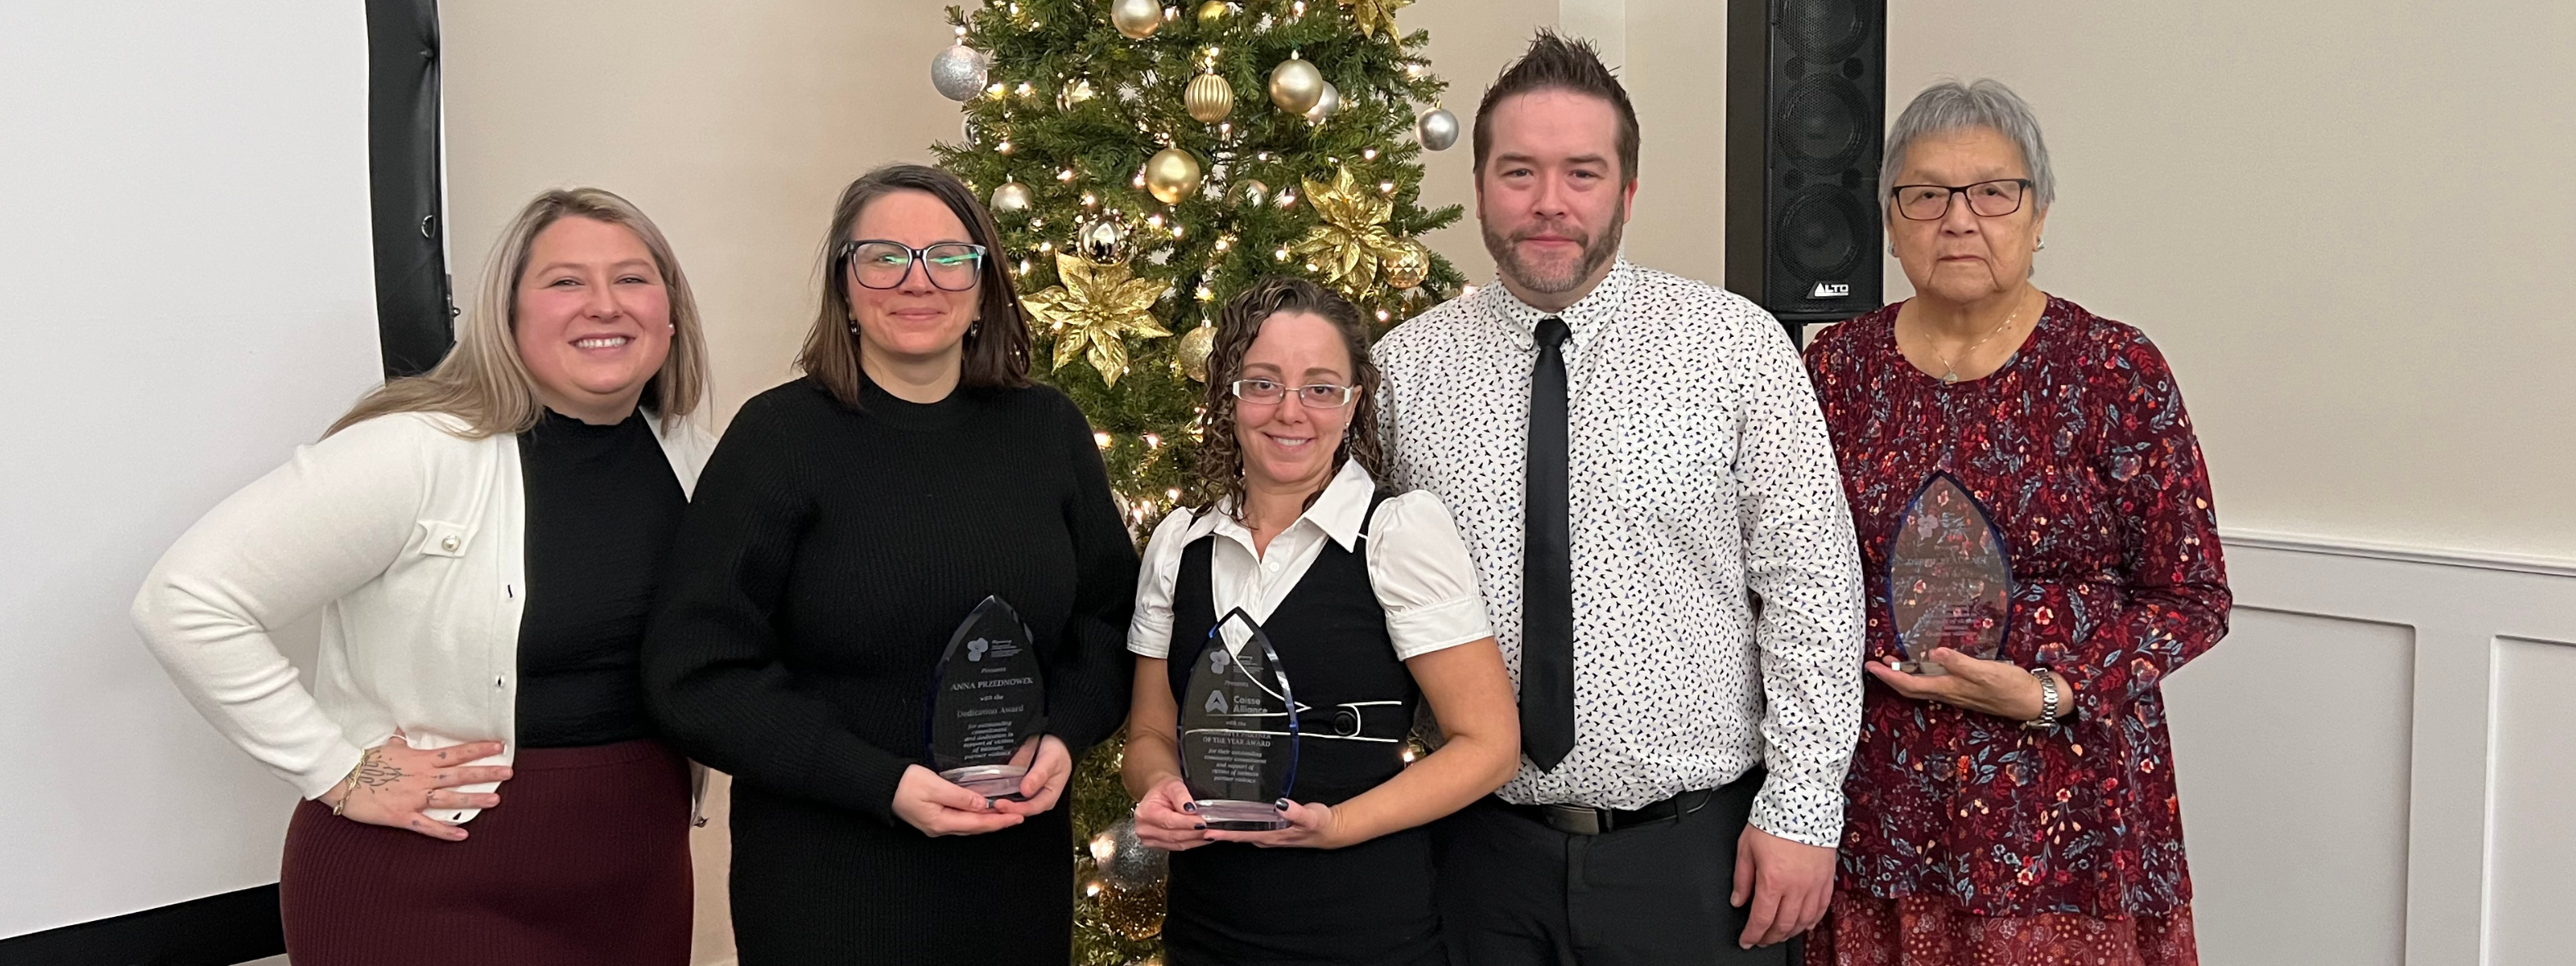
(828, 554)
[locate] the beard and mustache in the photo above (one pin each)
(1553, 276)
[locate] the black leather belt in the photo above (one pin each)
(1586, 820)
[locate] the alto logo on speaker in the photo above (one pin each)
(1830, 290)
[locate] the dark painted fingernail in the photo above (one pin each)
(1189, 806)
(1281, 804)
(1202, 826)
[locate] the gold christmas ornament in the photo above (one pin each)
(1407, 265)
(1295, 85)
(1194, 350)
(1327, 105)
(1137, 19)
(1352, 240)
(1134, 913)
(1373, 14)
(1213, 12)
(1012, 198)
(1251, 193)
(1171, 175)
(1091, 313)
(1209, 98)
(1102, 240)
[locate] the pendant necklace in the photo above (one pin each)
(1950, 373)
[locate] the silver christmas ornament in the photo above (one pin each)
(1437, 129)
(1012, 198)
(1326, 105)
(1251, 193)
(958, 72)
(1125, 861)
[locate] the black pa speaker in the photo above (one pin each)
(1806, 95)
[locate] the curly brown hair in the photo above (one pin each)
(1219, 478)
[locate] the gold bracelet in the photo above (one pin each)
(351, 782)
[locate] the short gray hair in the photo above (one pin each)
(1950, 106)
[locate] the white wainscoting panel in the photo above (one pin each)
(2532, 845)
(2291, 752)
(2378, 766)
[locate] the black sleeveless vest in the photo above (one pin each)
(1370, 903)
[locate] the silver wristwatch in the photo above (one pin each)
(2048, 696)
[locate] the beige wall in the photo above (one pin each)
(2350, 225)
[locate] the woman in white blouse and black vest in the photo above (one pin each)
(1369, 600)
(482, 779)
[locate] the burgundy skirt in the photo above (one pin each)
(586, 862)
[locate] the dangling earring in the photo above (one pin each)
(973, 328)
(2041, 247)
(1891, 249)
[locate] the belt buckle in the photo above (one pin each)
(1574, 819)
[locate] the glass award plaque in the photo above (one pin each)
(1238, 728)
(1949, 583)
(987, 703)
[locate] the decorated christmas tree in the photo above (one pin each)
(1146, 163)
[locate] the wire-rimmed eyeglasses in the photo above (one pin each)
(1988, 199)
(1321, 395)
(881, 264)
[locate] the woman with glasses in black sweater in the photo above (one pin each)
(846, 525)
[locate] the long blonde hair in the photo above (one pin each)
(485, 383)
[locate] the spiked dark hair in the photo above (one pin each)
(1561, 63)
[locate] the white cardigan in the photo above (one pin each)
(409, 539)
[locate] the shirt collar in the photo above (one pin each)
(1339, 512)
(1596, 310)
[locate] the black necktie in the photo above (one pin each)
(1547, 565)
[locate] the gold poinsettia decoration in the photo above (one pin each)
(1373, 14)
(1096, 307)
(1353, 238)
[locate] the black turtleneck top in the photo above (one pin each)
(602, 504)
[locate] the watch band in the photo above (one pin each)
(2048, 698)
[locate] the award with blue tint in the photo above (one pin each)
(1949, 581)
(987, 703)
(1238, 729)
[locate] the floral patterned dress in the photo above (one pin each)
(1970, 840)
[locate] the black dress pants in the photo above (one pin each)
(1515, 892)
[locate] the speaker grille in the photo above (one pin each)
(1820, 233)
(1824, 126)
(1806, 101)
(1824, 31)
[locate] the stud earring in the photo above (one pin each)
(2041, 247)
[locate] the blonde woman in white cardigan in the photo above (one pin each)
(482, 781)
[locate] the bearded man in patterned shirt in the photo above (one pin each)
(1641, 473)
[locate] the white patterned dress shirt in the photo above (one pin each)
(1700, 471)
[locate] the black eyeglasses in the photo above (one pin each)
(1931, 202)
(881, 264)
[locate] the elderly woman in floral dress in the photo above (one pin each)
(2018, 810)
